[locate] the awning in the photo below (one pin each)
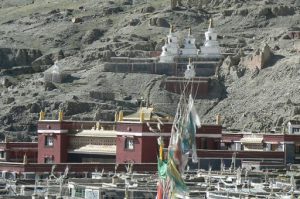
(227, 140)
(251, 140)
(96, 149)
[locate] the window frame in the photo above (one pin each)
(48, 160)
(49, 141)
(129, 144)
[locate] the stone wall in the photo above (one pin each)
(17, 57)
(294, 35)
(199, 87)
(259, 59)
(170, 69)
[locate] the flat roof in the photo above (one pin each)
(96, 149)
(96, 133)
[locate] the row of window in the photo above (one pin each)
(100, 141)
(49, 141)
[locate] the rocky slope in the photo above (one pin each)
(83, 34)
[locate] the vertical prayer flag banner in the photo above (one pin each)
(175, 177)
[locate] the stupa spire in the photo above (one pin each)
(211, 25)
(172, 29)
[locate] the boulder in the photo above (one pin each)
(134, 22)
(283, 10)
(144, 46)
(6, 82)
(102, 95)
(92, 55)
(77, 20)
(91, 35)
(35, 108)
(227, 13)
(243, 12)
(8, 100)
(160, 22)
(49, 86)
(127, 2)
(47, 59)
(104, 115)
(296, 110)
(18, 57)
(148, 9)
(265, 11)
(112, 10)
(75, 107)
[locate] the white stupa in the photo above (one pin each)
(211, 45)
(190, 71)
(190, 48)
(170, 49)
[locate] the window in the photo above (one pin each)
(129, 143)
(203, 143)
(48, 160)
(209, 37)
(2, 154)
(228, 146)
(48, 141)
(274, 147)
(296, 130)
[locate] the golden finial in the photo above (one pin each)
(218, 119)
(142, 115)
(25, 160)
(190, 31)
(211, 25)
(98, 126)
(60, 116)
(161, 149)
(121, 116)
(42, 115)
(116, 116)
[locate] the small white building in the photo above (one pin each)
(170, 49)
(293, 127)
(189, 49)
(211, 46)
(190, 71)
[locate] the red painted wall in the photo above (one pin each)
(210, 129)
(59, 150)
(126, 155)
(197, 89)
(15, 151)
(231, 137)
(149, 149)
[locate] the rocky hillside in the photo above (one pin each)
(82, 35)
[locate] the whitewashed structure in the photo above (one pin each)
(55, 74)
(211, 46)
(293, 127)
(170, 49)
(189, 48)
